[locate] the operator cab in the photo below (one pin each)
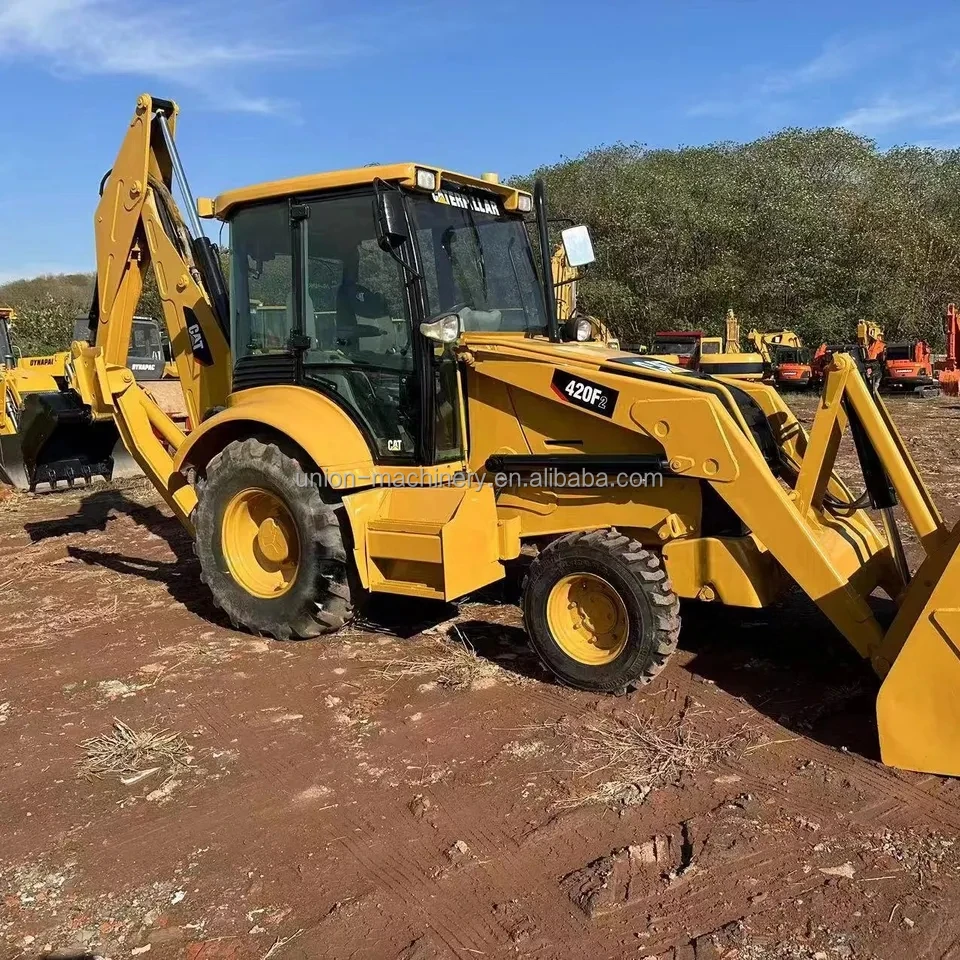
(329, 291)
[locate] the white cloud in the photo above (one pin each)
(761, 88)
(837, 58)
(163, 42)
(883, 114)
(886, 113)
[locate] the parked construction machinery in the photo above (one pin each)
(948, 375)
(868, 347)
(908, 365)
(786, 360)
(63, 442)
(678, 347)
(408, 432)
(723, 356)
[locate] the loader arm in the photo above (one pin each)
(918, 657)
(138, 224)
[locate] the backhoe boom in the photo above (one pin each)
(138, 225)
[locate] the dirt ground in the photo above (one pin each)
(390, 794)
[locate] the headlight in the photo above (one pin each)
(445, 329)
(524, 202)
(426, 179)
(584, 331)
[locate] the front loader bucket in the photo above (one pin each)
(60, 440)
(918, 707)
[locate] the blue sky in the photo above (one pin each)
(283, 87)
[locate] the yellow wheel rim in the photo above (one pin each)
(260, 543)
(588, 619)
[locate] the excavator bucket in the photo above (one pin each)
(918, 707)
(59, 441)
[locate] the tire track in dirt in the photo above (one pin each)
(391, 865)
(508, 868)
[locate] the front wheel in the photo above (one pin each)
(600, 612)
(271, 550)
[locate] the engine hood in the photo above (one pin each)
(578, 359)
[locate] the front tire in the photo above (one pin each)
(271, 550)
(600, 612)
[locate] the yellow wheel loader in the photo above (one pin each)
(411, 418)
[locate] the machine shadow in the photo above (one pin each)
(98, 508)
(503, 644)
(180, 576)
(790, 664)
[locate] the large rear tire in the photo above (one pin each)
(271, 550)
(600, 612)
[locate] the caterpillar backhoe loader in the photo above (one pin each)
(413, 418)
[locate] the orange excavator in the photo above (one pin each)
(949, 374)
(908, 365)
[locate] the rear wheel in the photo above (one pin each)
(600, 612)
(271, 550)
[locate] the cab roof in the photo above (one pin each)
(405, 174)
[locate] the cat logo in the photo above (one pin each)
(395, 446)
(198, 342)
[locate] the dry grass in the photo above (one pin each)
(451, 660)
(11, 498)
(124, 753)
(637, 756)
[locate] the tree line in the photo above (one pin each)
(811, 230)
(47, 308)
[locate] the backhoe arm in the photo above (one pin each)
(138, 224)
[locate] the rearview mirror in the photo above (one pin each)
(391, 220)
(578, 246)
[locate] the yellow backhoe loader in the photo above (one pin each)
(414, 418)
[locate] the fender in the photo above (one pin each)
(314, 422)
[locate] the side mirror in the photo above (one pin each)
(391, 220)
(578, 246)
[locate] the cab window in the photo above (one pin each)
(358, 323)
